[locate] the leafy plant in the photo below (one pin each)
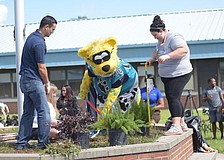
(141, 111)
(63, 148)
(71, 124)
(118, 120)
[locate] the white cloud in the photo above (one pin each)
(3, 13)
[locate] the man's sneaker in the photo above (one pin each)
(184, 127)
(23, 147)
(173, 131)
(41, 146)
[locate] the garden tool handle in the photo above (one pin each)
(92, 106)
(147, 91)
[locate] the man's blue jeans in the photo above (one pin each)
(34, 98)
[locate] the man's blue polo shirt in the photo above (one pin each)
(154, 95)
(34, 51)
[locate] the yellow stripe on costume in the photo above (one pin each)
(111, 99)
(84, 87)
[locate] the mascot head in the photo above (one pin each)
(101, 55)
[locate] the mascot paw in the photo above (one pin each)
(81, 96)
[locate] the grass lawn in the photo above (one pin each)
(215, 144)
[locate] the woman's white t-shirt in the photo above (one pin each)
(52, 115)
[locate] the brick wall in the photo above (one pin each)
(177, 147)
(179, 152)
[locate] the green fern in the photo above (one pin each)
(118, 120)
(141, 111)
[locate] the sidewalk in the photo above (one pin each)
(220, 156)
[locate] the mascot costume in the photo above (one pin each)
(113, 79)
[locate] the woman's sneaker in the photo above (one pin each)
(173, 131)
(184, 127)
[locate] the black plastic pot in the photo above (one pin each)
(145, 131)
(117, 137)
(82, 139)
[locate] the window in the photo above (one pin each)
(190, 84)
(75, 79)
(58, 77)
(5, 85)
(141, 73)
(222, 74)
(72, 77)
(14, 83)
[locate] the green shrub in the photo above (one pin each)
(118, 120)
(141, 111)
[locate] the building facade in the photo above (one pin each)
(202, 29)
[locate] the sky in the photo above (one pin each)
(35, 10)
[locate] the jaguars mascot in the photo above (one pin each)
(114, 79)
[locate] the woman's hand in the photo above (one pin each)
(150, 61)
(163, 58)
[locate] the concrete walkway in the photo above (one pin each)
(206, 156)
(220, 156)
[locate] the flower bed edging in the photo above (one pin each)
(166, 147)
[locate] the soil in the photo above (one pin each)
(98, 141)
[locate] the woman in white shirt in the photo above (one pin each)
(53, 113)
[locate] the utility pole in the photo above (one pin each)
(19, 40)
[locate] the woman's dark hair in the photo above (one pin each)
(69, 92)
(71, 105)
(48, 20)
(157, 24)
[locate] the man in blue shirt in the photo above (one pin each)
(155, 97)
(35, 84)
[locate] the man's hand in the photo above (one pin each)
(48, 87)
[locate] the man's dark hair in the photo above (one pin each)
(48, 20)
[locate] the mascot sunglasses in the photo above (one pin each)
(100, 57)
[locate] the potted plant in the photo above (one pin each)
(141, 112)
(118, 125)
(75, 127)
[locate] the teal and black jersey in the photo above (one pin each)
(124, 76)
